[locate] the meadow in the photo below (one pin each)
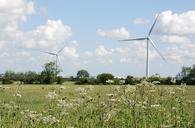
(145, 105)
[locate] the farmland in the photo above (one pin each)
(69, 105)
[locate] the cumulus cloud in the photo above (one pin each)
(121, 32)
(71, 52)
(175, 39)
(46, 36)
(140, 21)
(14, 12)
(174, 23)
(88, 53)
(102, 51)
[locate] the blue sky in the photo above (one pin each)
(90, 31)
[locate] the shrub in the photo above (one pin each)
(102, 78)
(60, 80)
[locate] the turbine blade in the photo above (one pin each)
(134, 39)
(153, 44)
(61, 49)
(153, 25)
(48, 53)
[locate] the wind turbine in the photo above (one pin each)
(56, 55)
(148, 42)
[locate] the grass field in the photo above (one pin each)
(69, 105)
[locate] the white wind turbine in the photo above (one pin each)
(57, 60)
(148, 41)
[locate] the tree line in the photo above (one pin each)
(50, 75)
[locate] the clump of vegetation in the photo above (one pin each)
(144, 105)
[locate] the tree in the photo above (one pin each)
(48, 75)
(155, 77)
(82, 77)
(102, 78)
(8, 77)
(82, 74)
(31, 77)
(129, 80)
(187, 75)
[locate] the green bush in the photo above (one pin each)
(102, 78)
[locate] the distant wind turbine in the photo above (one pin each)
(148, 39)
(57, 61)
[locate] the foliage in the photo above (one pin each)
(102, 78)
(132, 80)
(9, 77)
(60, 80)
(82, 77)
(30, 78)
(49, 74)
(82, 74)
(142, 106)
(187, 75)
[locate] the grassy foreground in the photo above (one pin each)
(142, 106)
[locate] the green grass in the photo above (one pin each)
(145, 105)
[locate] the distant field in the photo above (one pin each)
(41, 98)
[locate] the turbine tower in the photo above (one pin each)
(56, 55)
(148, 42)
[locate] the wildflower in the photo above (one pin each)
(155, 105)
(17, 95)
(50, 120)
(8, 106)
(193, 101)
(63, 103)
(156, 82)
(110, 95)
(51, 95)
(167, 126)
(173, 108)
(89, 88)
(31, 115)
(62, 87)
(80, 90)
(113, 100)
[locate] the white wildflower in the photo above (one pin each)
(51, 95)
(110, 95)
(17, 95)
(113, 100)
(155, 105)
(50, 120)
(8, 106)
(62, 87)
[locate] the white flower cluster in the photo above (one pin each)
(51, 95)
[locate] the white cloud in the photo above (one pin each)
(105, 61)
(125, 60)
(88, 53)
(114, 33)
(14, 12)
(173, 23)
(47, 36)
(140, 21)
(175, 39)
(2, 43)
(70, 51)
(102, 51)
